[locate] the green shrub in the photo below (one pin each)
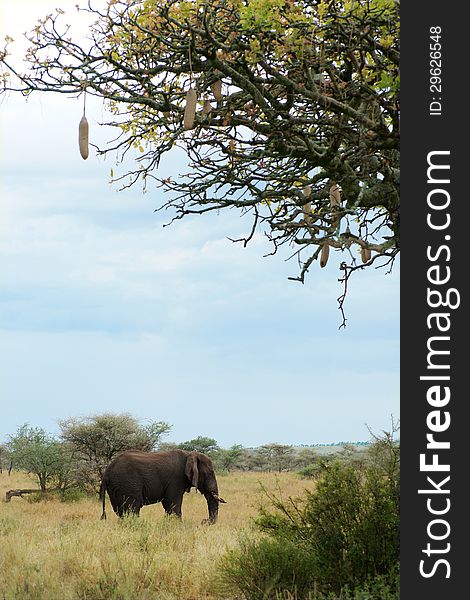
(67, 495)
(40, 497)
(350, 524)
(313, 471)
(73, 495)
(266, 569)
(382, 587)
(345, 535)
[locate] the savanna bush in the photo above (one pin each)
(41, 497)
(264, 568)
(313, 470)
(340, 541)
(74, 494)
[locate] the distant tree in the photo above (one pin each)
(231, 458)
(305, 457)
(168, 446)
(202, 444)
(277, 457)
(5, 458)
(348, 451)
(384, 454)
(96, 440)
(39, 454)
(255, 460)
(264, 455)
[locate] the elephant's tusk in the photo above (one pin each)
(221, 500)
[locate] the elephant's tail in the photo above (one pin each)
(103, 498)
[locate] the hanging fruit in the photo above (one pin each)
(216, 88)
(335, 202)
(307, 210)
(325, 253)
(207, 107)
(365, 254)
(335, 195)
(190, 109)
(83, 137)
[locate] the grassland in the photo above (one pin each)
(62, 551)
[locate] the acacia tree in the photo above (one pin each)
(5, 458)
(288, 111)
(276, 457)
(94, 441)
(231, 458)
(203, 444)
(34, 451)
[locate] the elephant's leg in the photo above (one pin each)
(172, 506)
(116, 503)
(129, 506)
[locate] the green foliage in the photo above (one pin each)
(310, 101)
(263, 569)
(95, 440)
(352, 526)
(202, 444)
(348, 454)
(5, 458)
(37, 497)
(347, 530)
(305, 457)
(273, 569)
(384, 456)
(313, 470)
(73, 494)
(39, 454)
(262, 14)
(382, 587)
(229, 459)
(276, 457)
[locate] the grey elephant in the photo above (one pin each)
(134, 479)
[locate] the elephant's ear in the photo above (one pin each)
(191, 470)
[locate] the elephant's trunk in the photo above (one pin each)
(212, 506)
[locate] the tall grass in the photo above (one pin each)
(62, 551)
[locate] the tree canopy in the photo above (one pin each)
(203, 444)
(34, 451)
(288, 111)
(96, 440)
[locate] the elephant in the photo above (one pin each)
(134, 479)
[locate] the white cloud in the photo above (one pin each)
(192, 386)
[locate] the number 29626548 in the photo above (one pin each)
(435, 70)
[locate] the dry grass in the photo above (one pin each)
(62, 551)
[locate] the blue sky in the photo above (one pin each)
(103, 309)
